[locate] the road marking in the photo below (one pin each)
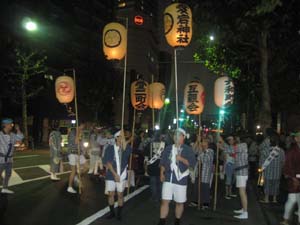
(15, 179)
(26, 156)
(28, 167)
(102, 212)
(45, 168)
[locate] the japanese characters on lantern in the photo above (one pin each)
(157, 93)
(224, 92)
(178, 25)
(194, 98)
(114, 41)
(139, 94)
(64, 89)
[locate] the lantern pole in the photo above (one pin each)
(199, 166)
(176, 85)
(153, 117)
(124, 82)
(130, 159)
(217, 164)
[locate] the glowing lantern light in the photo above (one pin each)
(157, 93)
(194, 98)
(138, 20)
(224, 92)
(178, 25)
(139, 94)
(64, 89)
(114, 41)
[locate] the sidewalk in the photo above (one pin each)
(143, 211)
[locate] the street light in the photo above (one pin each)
(30, 25)
(211, 37)
(167, 101)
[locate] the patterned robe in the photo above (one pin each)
(207, 159)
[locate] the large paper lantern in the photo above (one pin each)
(64, 89)
(178, 25)
(194, 98)
(139, 94)
(157, 93)
(224, 91)
(114, 41)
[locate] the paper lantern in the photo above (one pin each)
(65, 89)
(139, 94)
(178, 25)
(224, 91)
(194, 98)
(114, 41)
(157, 92)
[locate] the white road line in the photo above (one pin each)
(15, 179)
(25, 156)
(45, 168)
(28, 167)
(35, 179)
(102, 212)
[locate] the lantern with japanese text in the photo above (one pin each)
(194, 98)
(224, 92)
(114, 41)
(139, 94)
(64, 89)
(157, 93)
(178, 25)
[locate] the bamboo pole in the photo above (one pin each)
(153, 118)
(176, 85)
(77, 133)
(130, 159)
(199, 167)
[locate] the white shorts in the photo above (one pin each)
(241, 181)
(112, 186)
(73, 159)
(174, 192)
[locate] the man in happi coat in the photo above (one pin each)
(95, 148)
(271, 163)
(55, 153)
(116, 160)
(292, 174)
(174, 172)
(8, 139)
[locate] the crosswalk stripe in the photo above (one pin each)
(45, 168)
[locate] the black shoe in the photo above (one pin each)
(119, 213)
(162, 222)
(110, 216)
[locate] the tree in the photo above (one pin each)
(245, 43)
(26, 81)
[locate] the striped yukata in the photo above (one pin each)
(272, 173)
(241, 160)
(207, 159)
(55, 150)
(7, 147)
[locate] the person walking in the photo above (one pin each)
(116, 160)
(291, 172)
(271, 163)
(76, 161)
(8, 140)
(174, 171)
(95, 159)
(55, 140)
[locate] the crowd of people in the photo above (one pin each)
(173, 163)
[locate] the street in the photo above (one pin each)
(39, 201)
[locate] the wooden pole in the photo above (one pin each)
(153, 119)
(77, 133)
(130, 159)
(176, 85)
(199, 167)
(217, 165)
(124, 83)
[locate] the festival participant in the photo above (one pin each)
(175, 163)
(74, 140)
(230, 149)
(292, 174)
(116, 161)
(55, 152)
(271, 163)
(7, 142)
(95, 158)
(153, 169)
(241, 171)
(206, 157)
